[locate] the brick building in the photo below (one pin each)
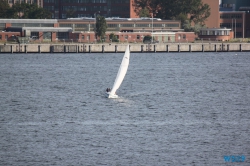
(38, 2)
(82, 30)
(88, 8)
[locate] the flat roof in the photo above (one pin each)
(232, 12)
(124, 20)
(48, 29)
(28, 21)
(86, 19)
(220, 29)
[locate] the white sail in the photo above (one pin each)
(122, 71)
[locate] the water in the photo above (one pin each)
(174, 109)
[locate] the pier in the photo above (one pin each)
(120, 47)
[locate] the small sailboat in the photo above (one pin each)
(120, 75)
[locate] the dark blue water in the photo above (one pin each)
(174, 109)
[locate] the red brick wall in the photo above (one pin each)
(9, 35)
(185, 37)
(213, 20)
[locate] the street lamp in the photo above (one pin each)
(235, 27)
(152, 26)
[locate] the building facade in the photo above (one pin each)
(38, 2)
(234, 5)
(62, 9)
(82, 30)
(216, 34)
(238, 21)
(213, 19)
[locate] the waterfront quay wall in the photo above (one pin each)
(118, 47)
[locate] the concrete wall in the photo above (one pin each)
(113, 48)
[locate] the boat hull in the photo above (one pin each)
(107, 94)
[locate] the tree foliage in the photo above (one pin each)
(113, 37)
(4, 9)
(144, 13)
(188, 28)
(147, 39)
(101, 26)
(22, 10)
(194, 10)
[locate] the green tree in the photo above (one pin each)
(113, 37)
(101, 27)
(4, 9)
(29, 11)
(144, 12)
(188, 28)
(194, 10)
(40, 13)
(147, 39)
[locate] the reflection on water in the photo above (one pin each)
(173, 109)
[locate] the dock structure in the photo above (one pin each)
(120, 47)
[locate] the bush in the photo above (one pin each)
(147, 39)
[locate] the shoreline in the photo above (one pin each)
(120, 47)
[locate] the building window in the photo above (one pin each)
(49, 1)
(238, 34)
(184, 36)
(112, 25)
(65, 25)
(127, 25)
(0, 37)
(82, 37)
(158, 25)
(47, 35)
(138, 37)
(63, 35)
(141, 25)
(204, 32)
(50, 8)
(227, 25)
(172, 25)
(35, 34)
(63, 15)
